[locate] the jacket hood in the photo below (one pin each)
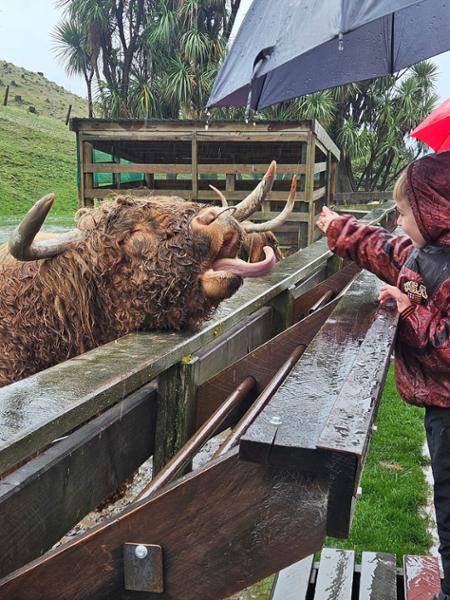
(428, 191)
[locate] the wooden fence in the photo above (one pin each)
(288, 479)
(183, 158)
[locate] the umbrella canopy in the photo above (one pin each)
(291, 48)
(435, 129)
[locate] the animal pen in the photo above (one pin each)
(183, 158)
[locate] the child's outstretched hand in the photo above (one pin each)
(325, 218)
(390, 291)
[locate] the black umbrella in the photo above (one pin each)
(291, 48)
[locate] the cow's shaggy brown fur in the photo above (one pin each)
(137, 269)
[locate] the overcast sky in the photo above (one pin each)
(25, 40)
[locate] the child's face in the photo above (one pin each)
(408, 223)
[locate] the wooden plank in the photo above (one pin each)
(320, 167)
(194, 159)
(306, 295)
(241, 339)
(176, 125)
(240, 194)
(202, 136)
(292, 221)
(326, 140)
(348, 426)
(309, 185)
(335, 576)
(292, 583)
(287, 432)
(43, 499)
(47, 405)
(421, 577)
(237, 526)
(104, 192)
(105, 167)
(378, 579)
(262, 363)
(337, 344)
(319, 193)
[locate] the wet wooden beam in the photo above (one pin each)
(218, 536)
(347, 359)
(35, 411)
(378, 580)
(43, 499)
(264, 360)
(421, 577)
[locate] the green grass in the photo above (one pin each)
(37, 156)
(37, 151)
(49, 98)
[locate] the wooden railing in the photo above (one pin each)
(249, 512)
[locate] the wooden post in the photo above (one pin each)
(86, 179)
(68, 114)
(116, 176)
(194, 167)
(175, 422)
(309, 185)
(5, 101)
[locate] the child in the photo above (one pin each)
(416, 267)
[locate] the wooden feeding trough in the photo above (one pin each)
(280, 364)
(183, 158)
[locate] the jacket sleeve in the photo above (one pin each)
(426, 328)
(372, 248)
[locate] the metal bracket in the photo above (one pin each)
(143, 568)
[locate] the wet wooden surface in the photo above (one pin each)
(45, 406)
(378, 580)
(292, 583)
(421, 577)
(268, 357)
(304, 402)
(210, 549)
(335, 576)
(43, 499)
(345, 363)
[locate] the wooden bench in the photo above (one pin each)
(336, 577)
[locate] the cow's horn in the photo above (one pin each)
(223, 200)
(252, 202)
(279, 219)
(21, 242)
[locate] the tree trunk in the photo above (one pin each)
(345, 181)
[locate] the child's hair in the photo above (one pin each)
(399, 192)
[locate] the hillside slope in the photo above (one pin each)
(27, 88)
(37, 151)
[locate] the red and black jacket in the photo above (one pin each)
(423, 340)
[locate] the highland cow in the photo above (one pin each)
(131, 264)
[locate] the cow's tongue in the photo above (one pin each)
(245, 269)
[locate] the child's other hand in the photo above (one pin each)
(325, 218)
(390, 291)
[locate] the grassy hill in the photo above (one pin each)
(37, 150)
(27, 88)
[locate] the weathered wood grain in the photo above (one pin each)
(292, 583)
(217, 535)
(47, 405)
(335, 577)
(421, 577)
(378, 579)
(43, 499)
